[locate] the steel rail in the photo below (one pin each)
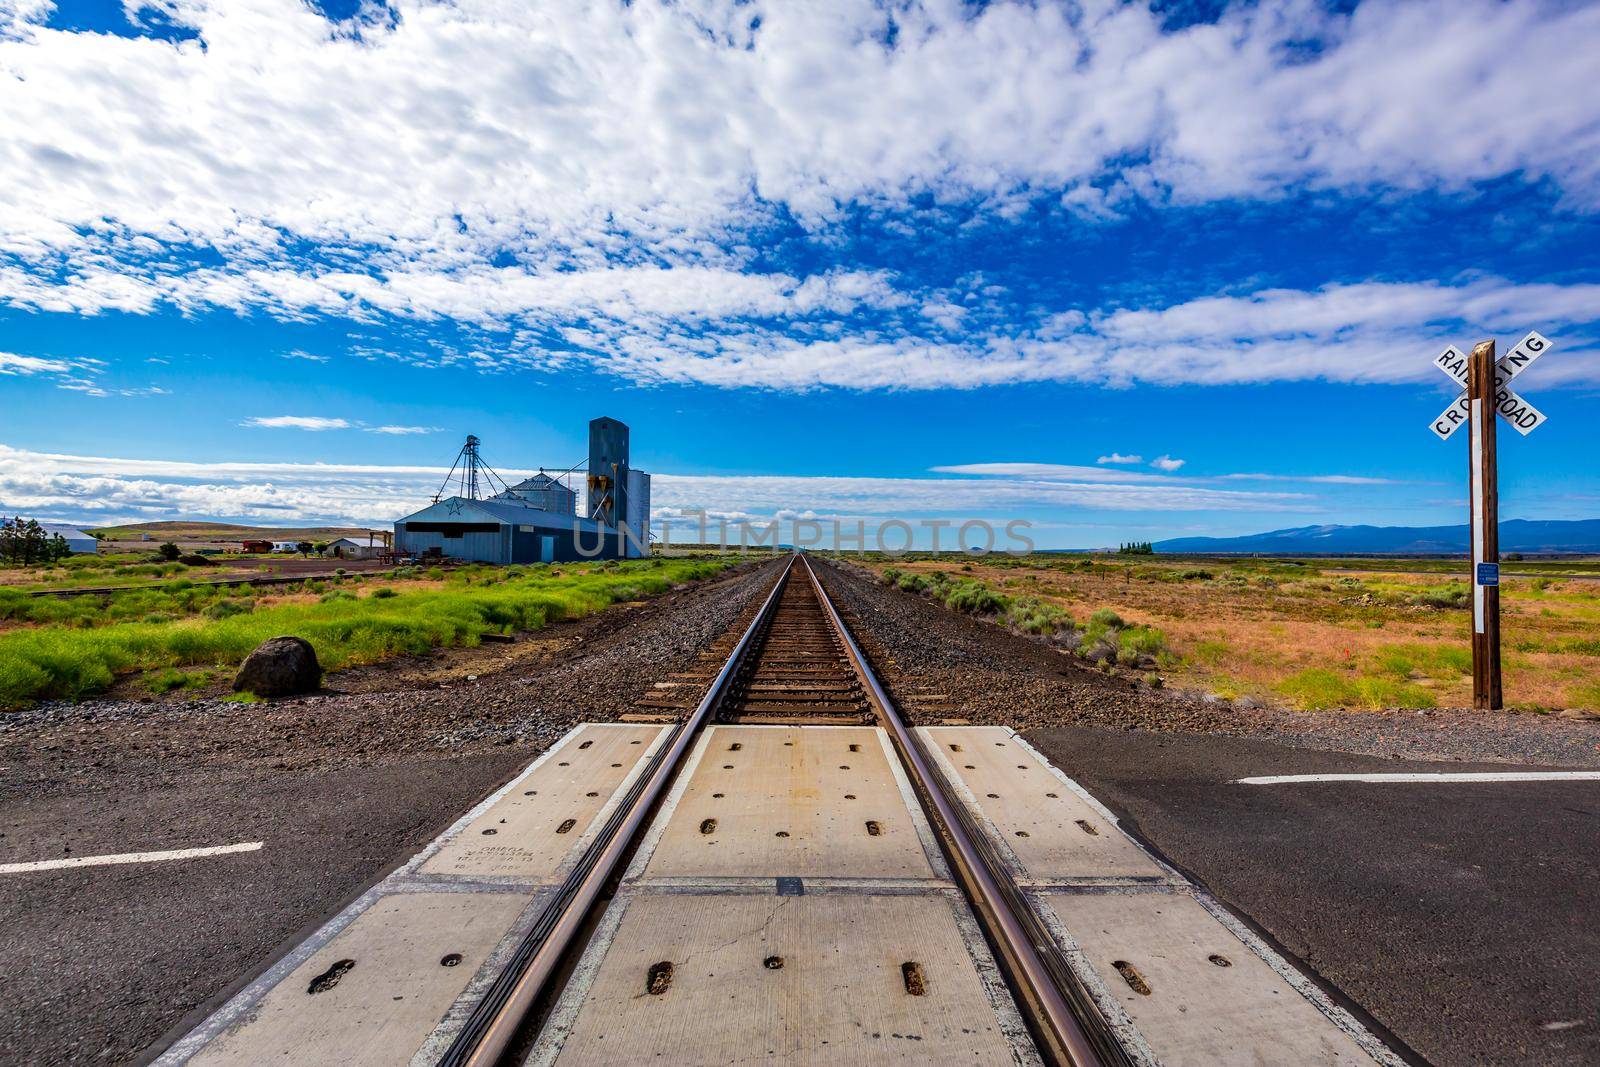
(1067, 1023)
(498, 1017)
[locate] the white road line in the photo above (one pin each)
(128, 857)
(1446, 776)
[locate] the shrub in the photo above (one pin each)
(336, 595)
(1106, 619)
(169, 551)
(383, 593)
(1454, 595)
(226, 609)
(13, 604)
(973, 598)
(1038, 617)
(913, 583)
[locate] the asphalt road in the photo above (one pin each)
(1463, 918)
(107, 964)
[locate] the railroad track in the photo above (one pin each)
(794, 663)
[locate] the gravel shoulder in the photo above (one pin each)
(108, 964)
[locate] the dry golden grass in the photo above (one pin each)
(1322, 633)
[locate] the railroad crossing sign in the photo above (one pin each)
(1515, 410)
(1480, 378)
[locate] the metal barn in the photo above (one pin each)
(497, 531)
(537, 520)
(77, 541)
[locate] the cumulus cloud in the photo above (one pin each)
(1118, 457)
(455, 123)
(1167, 463)
(607, 175)
(315, 423)
(114, 489)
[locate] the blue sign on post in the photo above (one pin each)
(1488, 574)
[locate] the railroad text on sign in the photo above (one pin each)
(1523, 416)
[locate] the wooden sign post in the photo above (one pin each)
(1484, 475)
(1487, 390)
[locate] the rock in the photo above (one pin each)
(281, 666)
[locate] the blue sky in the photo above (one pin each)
(269, 261)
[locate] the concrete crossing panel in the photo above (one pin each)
(807, 801)
(373, 993)
(1196, 993)
(1053, 832)
(845, 978)
(529, 831)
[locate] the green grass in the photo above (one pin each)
(1404, 662)
(1586, 696)
(167, 679)
(66, 659)
(1320, 688)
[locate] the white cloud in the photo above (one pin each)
(1360, 333)
(296, 422)
(1050, 470)
(1167, 463)
(479, 121)
(402, 431)
(1118, 457)
(309, 357)
(113, 489)
(607, 173)
(74, 375)
(11, 363)
(568, 129)
(1317, 479)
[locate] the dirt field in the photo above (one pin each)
(1318, 633)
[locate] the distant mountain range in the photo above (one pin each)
(1516, 535)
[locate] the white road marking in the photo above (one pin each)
(128, 857)
(1445, 776)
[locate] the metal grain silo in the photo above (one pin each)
(608, 471)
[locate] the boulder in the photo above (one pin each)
(281, 666)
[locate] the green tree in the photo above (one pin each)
(169, 552)
(23, 541)
(303, 547)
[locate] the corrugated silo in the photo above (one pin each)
(637, 515)
(608, 471)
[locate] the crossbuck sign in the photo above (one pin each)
(1486, 383)
(1515, 410)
